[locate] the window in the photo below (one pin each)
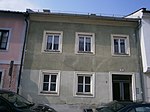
(120, 45)
(84, 84)
(52, 41)
(50, 82)
(4, 34)
(85, 43)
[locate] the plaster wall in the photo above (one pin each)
(16, 26)
(145, 42)
(102, 60)
(66, 101)
(68, 62)
(16, 37)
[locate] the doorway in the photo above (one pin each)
(122, 89)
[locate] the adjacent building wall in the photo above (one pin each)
(144, 33)
(16, 25)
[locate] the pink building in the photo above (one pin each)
(12, 37)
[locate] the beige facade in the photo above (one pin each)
(80, 60)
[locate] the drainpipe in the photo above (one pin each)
(23, 51)
(140, 60)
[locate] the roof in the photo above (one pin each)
(11, 12)
(83, 15)
(16, 13)
(141, 9)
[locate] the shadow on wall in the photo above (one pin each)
(30, 89)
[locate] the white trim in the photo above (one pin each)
(2, 78)
(92, 42)
(127, 45)
(92, 74)
(8, 42)
(45, 40)
(122, 73)
(41, 82)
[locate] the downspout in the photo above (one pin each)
(140, 60)
(23, 51)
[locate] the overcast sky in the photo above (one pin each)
(120, 7)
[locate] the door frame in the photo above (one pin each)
(133, 95)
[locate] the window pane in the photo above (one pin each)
(56, 42)
(116, 46)
(53, 78)
(3, 38)
(5, 34)
(87, 88)
(46, 78)
(49, 42)
(80, 79)
(88, 44)
(3, 45)
(80, 88)
(87, 80)
(122, 45)
(81, 43)
(53, 87)
(45, 86)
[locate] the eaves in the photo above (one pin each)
(83, 19)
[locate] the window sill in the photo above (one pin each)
(84, 52)
(120, 54)
(51, 51)
(49, 93)
(3, 50)
(89, 94)
(84, 95)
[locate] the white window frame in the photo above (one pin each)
(8, 42)
(92, 35)
(2, 78)
(75, 89)
(50, 72)
(44, 43)
(127, 45)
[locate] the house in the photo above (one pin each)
(144, 34)
(74, 61)
(12, 34)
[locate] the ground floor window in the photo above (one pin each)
(84, 84)
(50, 82)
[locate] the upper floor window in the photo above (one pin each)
(4, 34)
(85, 43)
(84, 84)
(50, 82)
(120, 45)
(52, 41)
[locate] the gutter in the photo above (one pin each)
(140, 61)
(23, 51)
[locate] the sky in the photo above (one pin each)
(105, 7)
